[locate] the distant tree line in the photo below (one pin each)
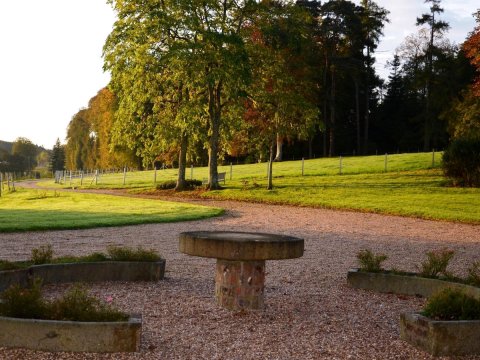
(22, 156)
(207, 81)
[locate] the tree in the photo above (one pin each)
(197, 45)
(26, 153)
(79, 150)
(282, 93)
(373, 19)
(472, 51)
(57, 159)
(339, 35)
(436, 29)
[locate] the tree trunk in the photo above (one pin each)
(357, 115)
(182, 163)
(279, 154)
(214, 112)
(310, 147)
(325, 108)
(270, 167)
(331, 151)
(367, 106)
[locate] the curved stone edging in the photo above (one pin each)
(440, 338)
(86, 272)
(404, 284)
(52, 335)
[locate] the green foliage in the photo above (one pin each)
(57, 159)
(370, 262)
(75, 305)
(461, 162)
(473, 277)
(42, 254)
(171, 184)
(20, 302)
(119, 253)
(8, 265)
(436, 263)
(94, 257)
(452, 304)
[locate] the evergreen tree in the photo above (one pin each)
(57, 160)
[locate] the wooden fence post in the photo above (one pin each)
(386, 161)
(303, 160)
(231, 171)
(340, 165)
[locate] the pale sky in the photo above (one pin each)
(51, 64)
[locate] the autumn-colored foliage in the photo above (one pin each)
(472, 50)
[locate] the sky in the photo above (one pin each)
(51, 57)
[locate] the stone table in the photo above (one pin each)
(240, 271)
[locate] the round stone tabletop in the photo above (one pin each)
(230, 245)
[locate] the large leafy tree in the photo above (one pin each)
(282, 101)
(26, 153)
(193, 45)
(472, 52)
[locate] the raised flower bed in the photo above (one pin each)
(76, 336)
(76, 322)
(411, 284)
(450, 323)
(441, 337)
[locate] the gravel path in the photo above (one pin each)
(310, 312)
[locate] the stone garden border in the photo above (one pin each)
(386, 282)
(86, 272)
(76, 336)
(440, 338)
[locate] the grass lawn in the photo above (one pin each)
(26, 210)
(410, 187)
(420, 194)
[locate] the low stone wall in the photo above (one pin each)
(86, 272)
(50, 335)
(440, 338)
(404, 284)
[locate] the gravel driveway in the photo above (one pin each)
(310, 312)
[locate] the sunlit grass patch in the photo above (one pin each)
(48, 210)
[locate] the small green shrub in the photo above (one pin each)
(461, 162)
(369, 261)
(27, 303)
(473, 277)
(167, 185)
(452, 304)
(436, 263)
(77, 305)
(118, 253)
(8, 265)
(189, 184)
(42, 254)
(94, 257)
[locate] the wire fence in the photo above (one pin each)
(121, 178)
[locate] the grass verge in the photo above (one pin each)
(26, 210)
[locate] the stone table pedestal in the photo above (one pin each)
(240, 270)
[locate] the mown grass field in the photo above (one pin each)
(410, 187)
(26, 209)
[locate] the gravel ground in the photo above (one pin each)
(310, 312)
